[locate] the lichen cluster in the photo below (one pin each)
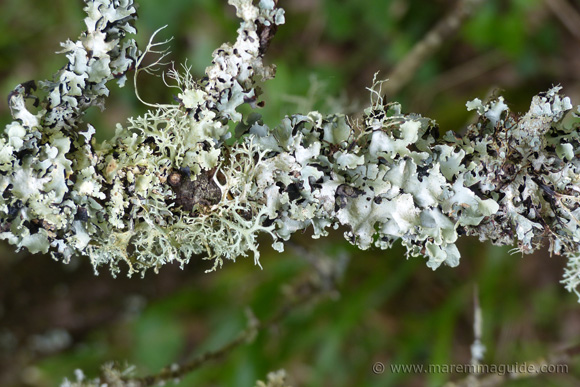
(513, 180)
(165, 187)
(48, 177)
(174, 183)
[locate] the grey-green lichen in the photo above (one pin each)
(172, 184)
(45, 157)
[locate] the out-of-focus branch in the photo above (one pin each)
(48, 308)
(320, 284)
(427, 46)
(245, 336)
(458, 75)
(567, 14)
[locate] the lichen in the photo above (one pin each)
(173, 183)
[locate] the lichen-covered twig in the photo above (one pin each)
(47, 166)
(172, 183)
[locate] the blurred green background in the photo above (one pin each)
(55, 318)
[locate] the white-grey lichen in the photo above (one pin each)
(168, 186)
(111, 375)
(274, 379)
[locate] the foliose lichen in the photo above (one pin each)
(172, 184)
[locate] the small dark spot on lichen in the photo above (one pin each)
(343, 193)
(82, 214)
(293, 191)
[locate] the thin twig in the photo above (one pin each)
(311, 290)
(458, 75)
(430, 43)
(567, 15)
(477, 348)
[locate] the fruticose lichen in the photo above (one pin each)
(169, 186)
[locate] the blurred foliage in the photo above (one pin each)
(390, 309)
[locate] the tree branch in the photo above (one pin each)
(567, 14)
(319, 285)
(426, 47)
(172, 184)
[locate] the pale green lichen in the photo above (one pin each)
(172, 184)
(111, 375)
(274, 379)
